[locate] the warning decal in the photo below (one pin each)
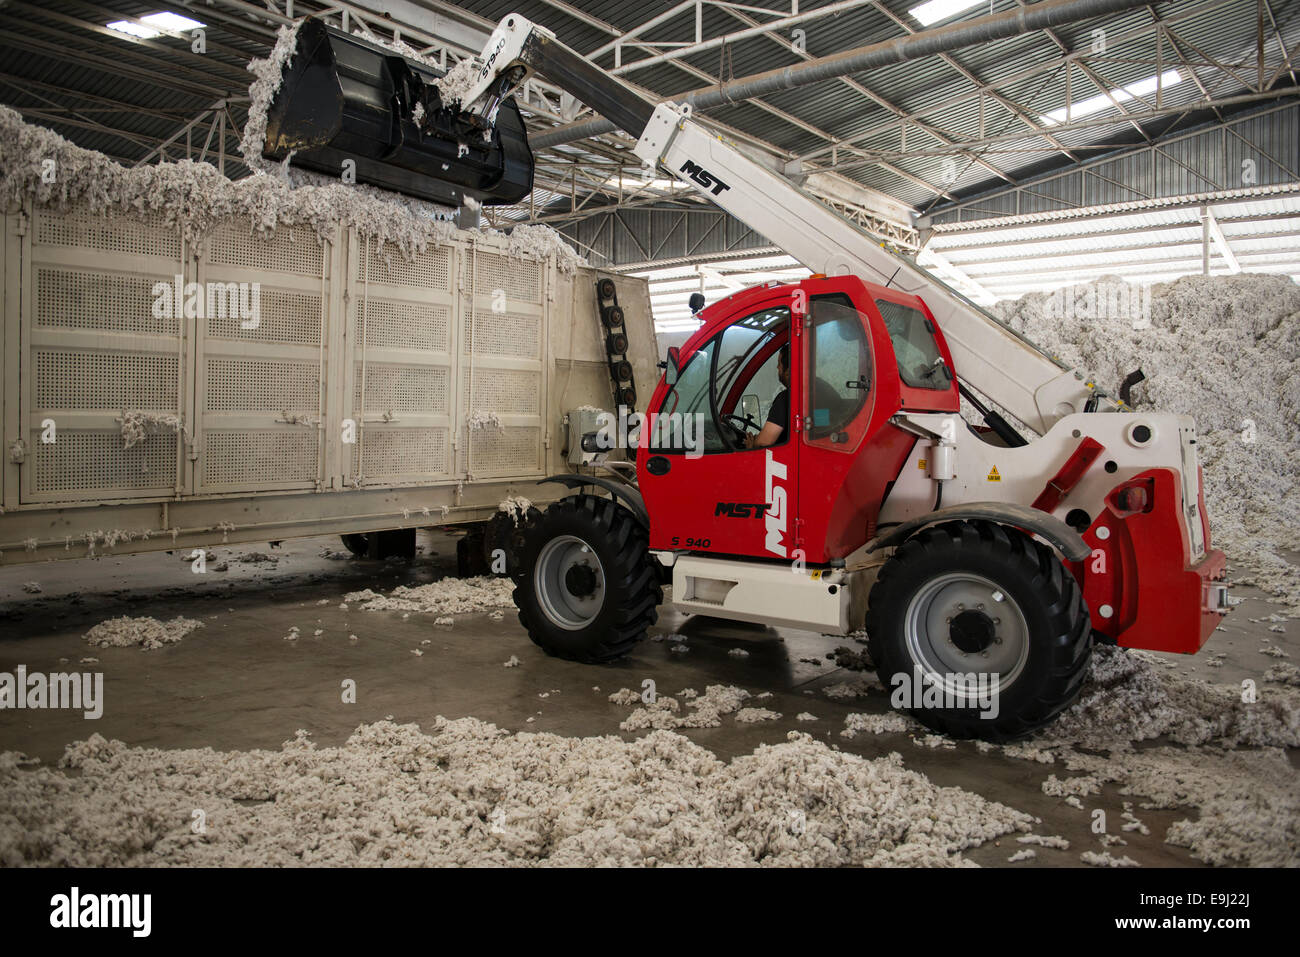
(993, 475)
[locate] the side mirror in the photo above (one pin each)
(749, 406)
(674, 364)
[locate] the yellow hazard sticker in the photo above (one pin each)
(920, 464)
(816, 574)
(993, 475)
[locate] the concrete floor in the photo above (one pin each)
(235, 684)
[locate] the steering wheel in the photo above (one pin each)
(741, 423)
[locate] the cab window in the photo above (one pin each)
(840, 376)
(746, 383)
(917, 353)
(733, 374)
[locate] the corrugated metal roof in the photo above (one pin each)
(152, 91)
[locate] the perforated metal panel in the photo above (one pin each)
(504, 391)
(84, 459)
(509, 334)
(263, 385)
(519, 279)
(295, 251)
(147, 235)
(95, 344)
(285, 316)
(396, 453)
(428, 270)
(408, 325)
(512, 451)
(401, 388)
(67, 381)
(246, 458)
(75, 299)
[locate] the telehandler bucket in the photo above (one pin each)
(343, 98)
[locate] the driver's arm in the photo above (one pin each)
(770, 435)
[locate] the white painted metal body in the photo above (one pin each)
(976, 471)
(829, 601)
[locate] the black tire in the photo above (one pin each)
(358, 544)
(1047, 632)
(618, 565)
(507, 533)
(471, 552)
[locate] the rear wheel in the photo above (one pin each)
(977, 599)
(586, 586)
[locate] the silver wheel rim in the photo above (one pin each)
(551, 576)
(929, 633)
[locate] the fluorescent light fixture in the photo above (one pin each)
(165, 21)
(1095, 104)
(633, 183)
(935, 10)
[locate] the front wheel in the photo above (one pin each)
(586, 586)
(979, 631)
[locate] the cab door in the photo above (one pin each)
(705, 491)
(847, 451)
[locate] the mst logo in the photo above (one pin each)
(704, 178)
(741, 509)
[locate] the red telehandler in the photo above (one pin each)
(983, 564)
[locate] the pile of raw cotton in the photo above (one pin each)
(1228, 761)
(1225, 350)
(449, 596)
(1217, 753)
(466, 792)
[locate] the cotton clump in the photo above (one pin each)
(1104, 859)
(704, 711)
(889, 723)
(464, 792)
(149, 633)
(516, 506)
(450, 596)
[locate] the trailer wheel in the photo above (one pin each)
(586, 586)
(357, 544)
(967, 597)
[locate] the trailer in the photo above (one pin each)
(162, 392)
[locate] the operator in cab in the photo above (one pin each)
(778, 415)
